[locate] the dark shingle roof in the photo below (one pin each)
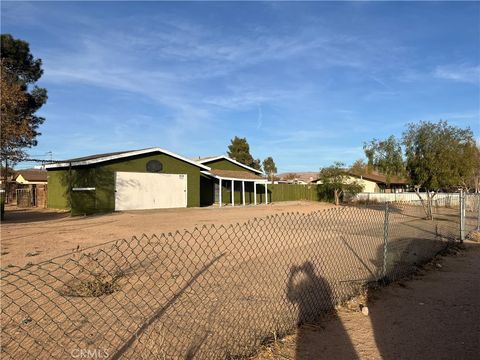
(234, 174)
(33, 175)
(380, 178)
(98, 156)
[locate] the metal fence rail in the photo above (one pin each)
(215, 292)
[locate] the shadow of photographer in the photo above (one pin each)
(313, 296)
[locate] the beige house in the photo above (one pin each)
(31, 187)
(31, 177)
(377, 183)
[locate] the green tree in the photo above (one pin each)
(385, 156)
(270, 168)
(240, 150)
(476, 177)
(470, 179)
(335, 179)
(359, 167)
(20, 99)
(438, 156)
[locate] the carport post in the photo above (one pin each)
(233, 194)
(254, 193)
(266, 194)
(220, 193)
(243, 193)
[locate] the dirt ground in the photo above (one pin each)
(35, 235)
(435, 315)
(206, 294)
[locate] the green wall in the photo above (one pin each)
(223, 164)
(102, 177)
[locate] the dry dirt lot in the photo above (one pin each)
(433, 316)
(34, 235)
(210, 293)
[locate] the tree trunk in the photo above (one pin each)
(337, 197)
(430, 205)
(5, 180)
(425, 205)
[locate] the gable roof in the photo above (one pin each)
(99, 158)
(32, 175)
(380, 178)
(215, 158)
(233, 174)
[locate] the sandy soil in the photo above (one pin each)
(435, 315)
(34, 235)
(213, 292)
(206, 294)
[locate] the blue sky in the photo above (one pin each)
(306, 83)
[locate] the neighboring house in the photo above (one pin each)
(152, 178)
(249, 185)
(307, 177)
(31, 187)
(10, 186)
(377, 183)
(31, 177)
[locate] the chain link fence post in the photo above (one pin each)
(385, 242)
(462, 215)
(478, 211)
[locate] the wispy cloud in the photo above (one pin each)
(301, 82)
(461, 73)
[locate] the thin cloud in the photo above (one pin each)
(460, 73)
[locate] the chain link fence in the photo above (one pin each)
(216, 291)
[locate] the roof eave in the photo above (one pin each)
(124, 155)
(234, 179)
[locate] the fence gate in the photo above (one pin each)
(24, 198)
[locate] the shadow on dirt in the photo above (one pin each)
(313, 296)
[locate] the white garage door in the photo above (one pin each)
(135, 191)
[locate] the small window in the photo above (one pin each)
(154, 166)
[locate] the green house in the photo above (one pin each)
(151, 178)
(130, 180)
(229, 182)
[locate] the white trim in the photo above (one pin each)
(260, 181)
(243, 192)
(233, 193)
(124, 155)
(220, 193)
(266, 193)
(231, 160)
(83, 189)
